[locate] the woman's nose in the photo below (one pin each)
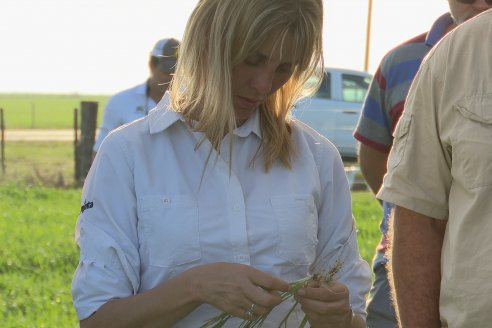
(263, 82)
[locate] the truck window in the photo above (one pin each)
(324, 90)
(354, 87)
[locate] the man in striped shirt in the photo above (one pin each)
(380, 114)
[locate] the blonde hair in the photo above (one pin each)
(223, 33)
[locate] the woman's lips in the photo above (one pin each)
(248, 102)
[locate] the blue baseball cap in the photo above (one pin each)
(166, 51)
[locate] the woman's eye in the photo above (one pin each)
(252, 61)
(255, 59)
(285, 68)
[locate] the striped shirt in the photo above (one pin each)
(386, 97)
(384, 102)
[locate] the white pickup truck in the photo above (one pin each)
(334, 109)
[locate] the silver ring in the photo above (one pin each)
(251, 311)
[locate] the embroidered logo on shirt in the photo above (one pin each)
(86, 206)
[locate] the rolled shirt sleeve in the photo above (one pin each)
(109, 261)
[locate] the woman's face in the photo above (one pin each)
(259, 75)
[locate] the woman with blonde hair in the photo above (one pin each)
(215, 202)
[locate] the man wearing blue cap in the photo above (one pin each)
(131, 104)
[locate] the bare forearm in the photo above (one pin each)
(373, 166)
(229, 287)
(415, 267)
(160, 307)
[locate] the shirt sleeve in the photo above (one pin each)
(106, 233)
(419, 165)
(373, 128)
(337, 236)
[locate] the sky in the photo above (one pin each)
(102, 46)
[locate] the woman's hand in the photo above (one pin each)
(326, 305)
(237, 289)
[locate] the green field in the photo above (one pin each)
(37, 256)
(368, 214)
(45, 111)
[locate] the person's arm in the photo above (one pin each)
(230, 287)
(415, 267)
(158, 307)
(342, 302)
(373, 166)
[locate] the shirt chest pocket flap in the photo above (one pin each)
(297, 221)
(473, 145)
(168, 229)
(400, 140)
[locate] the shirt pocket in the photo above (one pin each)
(400, 136)
(472, 148)
(297, 221)
(168, 228)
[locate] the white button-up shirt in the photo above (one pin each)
(155, 205)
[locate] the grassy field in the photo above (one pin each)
(38, 254)
(50, 111)
(367, 213)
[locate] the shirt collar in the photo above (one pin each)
(163, 116)
(438, 29)
(252, 125)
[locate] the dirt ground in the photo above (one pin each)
(39, 135)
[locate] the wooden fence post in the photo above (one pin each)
(75, 142)
(2, 128)
(83, 152)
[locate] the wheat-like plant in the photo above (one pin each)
(325, 276)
